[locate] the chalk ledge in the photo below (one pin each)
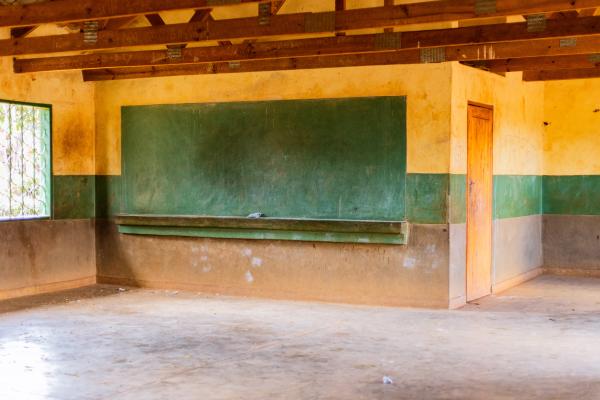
(321, 230)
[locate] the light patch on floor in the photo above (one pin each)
(538, 341)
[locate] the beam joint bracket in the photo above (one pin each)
(90, 32)
(388, 40)
(174, 52)
(432, 55)
(483, 7)
(319, 22)
(536, 23)
(264, 13)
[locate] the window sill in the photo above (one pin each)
(24, 219)
(311, 230)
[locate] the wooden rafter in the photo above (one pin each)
(118, 23)
(564, 14)
(471, 43)
(408, 56)
(561, 74)
(201, 15)
(588, 12)
(155, 19)
(276, 6)
(64, 11)
(21, 31)
(284, 24)
(578, 61)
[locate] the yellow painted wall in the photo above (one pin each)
(427, 87)
(518, 120)
(572, 137)
(72, 113)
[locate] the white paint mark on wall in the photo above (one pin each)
(204, 258)
(249, 277)
(207, 268)
(410, 263)
(256, 262)
(430, 249)
(247, 252)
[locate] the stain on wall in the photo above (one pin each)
(73, 126)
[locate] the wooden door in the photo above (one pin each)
(479, 201)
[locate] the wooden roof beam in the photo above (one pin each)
(276, 6)
(22, 31)
(155, 19)
(578, 61)
(201, 15)
(407, 56)
(118, 23)
(587, 73)
(64, 11)
(588, 12)
(500, 39)
(284, 24)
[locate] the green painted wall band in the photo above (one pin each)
(73, 196)
(571, 195)
(427, 198)
(517, 196)
(430, 198)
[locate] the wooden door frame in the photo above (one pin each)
(482, 105)
(491, 108)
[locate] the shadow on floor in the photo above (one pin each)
(56, 298)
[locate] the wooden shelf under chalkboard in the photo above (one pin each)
(320, 230)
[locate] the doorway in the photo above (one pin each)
(479, 200)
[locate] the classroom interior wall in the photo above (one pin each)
(44, 255)
(415, 274)
(545, 188)
(572, 176)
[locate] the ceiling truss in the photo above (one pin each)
(558, 40)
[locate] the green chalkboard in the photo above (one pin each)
(320, 159)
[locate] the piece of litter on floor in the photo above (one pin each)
(256, 215)
(387, 380)
(122, 289)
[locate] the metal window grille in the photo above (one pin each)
(25, 168)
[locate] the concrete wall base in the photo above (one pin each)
(413, 275)
(582, 272)
(517, 280)
(43, 256)
(47, 288)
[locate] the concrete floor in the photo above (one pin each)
(538, 341)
